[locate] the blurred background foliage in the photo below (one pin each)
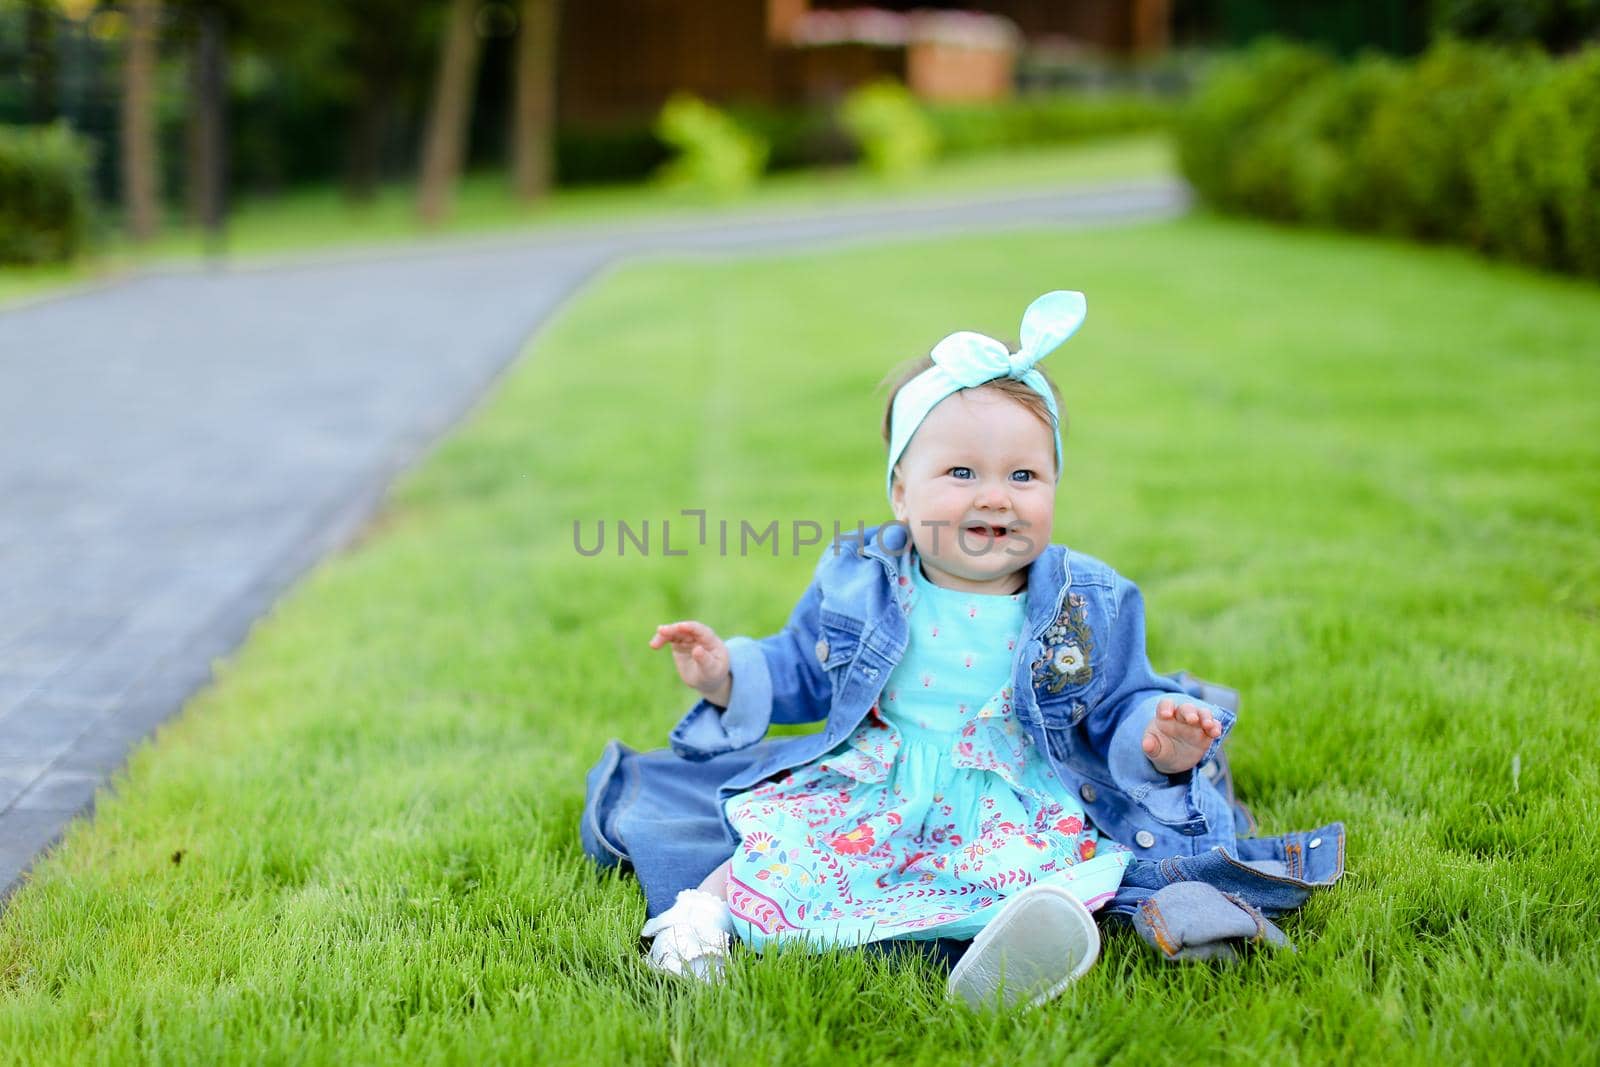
(713, 153)
(1459, 120)
(1497, 147)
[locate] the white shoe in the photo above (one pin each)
(691, 937)
(1042, 940)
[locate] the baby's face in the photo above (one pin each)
(976, 486)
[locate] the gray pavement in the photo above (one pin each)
(177, 448)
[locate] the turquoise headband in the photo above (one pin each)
(965, 360)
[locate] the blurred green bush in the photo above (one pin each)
(1538, 179)
(1426, 136)
(889, 125)
(1297, 163)
(1062, 118)
(1216, 130)
(714, 155)
(1494, 147)
(44, 193)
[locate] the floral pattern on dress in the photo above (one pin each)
(933, 811)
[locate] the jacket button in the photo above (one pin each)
(871, 672)
(1087, 793)
(1316, 842)
(822, 650)
(1144, 839)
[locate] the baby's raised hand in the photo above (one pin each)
(1179, 736)
(700, 656)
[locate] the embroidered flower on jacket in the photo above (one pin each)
(1068, 659)
(757, 843)
(1068, 645)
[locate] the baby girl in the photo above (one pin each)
(996, 745)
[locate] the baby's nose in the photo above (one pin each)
(994, 496)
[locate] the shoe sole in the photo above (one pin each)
(1042, 941)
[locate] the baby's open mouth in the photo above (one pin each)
(985, 530)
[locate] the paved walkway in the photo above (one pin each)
(176, 449)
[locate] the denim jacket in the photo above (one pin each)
(1085, 690)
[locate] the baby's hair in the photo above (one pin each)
(1012, 388)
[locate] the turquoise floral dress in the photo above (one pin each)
(937, 808)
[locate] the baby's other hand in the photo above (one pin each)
(700, 656)
(1179, 736)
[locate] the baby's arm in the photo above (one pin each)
(1144, 719)
(700, 656)
(746, 685)
(1179, 735)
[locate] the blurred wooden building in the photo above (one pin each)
(621, 59)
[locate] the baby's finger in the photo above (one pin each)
(1153, 744)
(683, 633)
(662, 635)
(1164, 708)
(1190, 715)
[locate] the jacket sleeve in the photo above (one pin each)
(1116, 723)
(775, 679)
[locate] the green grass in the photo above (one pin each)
(1358, 480)
(318, 217)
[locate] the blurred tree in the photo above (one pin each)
(444, 142)
(39, 59)
(212, 30)
(1345, 26)
(382, 44)
(207, 134)
(140, 153)
(533, 116)
(1558, 25)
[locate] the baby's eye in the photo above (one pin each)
(961, 472)
(1022, 476)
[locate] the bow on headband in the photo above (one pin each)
(965, 360)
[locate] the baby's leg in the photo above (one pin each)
(692, 936)
(716, 882)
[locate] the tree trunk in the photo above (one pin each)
(364, 158)
(141, 195)
(1150, 30)
(534, 115)
(208, 152)
(445, 141)
(39, 60)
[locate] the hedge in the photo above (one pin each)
(44, 193)
(964, 129)
(1491, 147)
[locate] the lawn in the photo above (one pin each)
(1360, 481)
(317, 217)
